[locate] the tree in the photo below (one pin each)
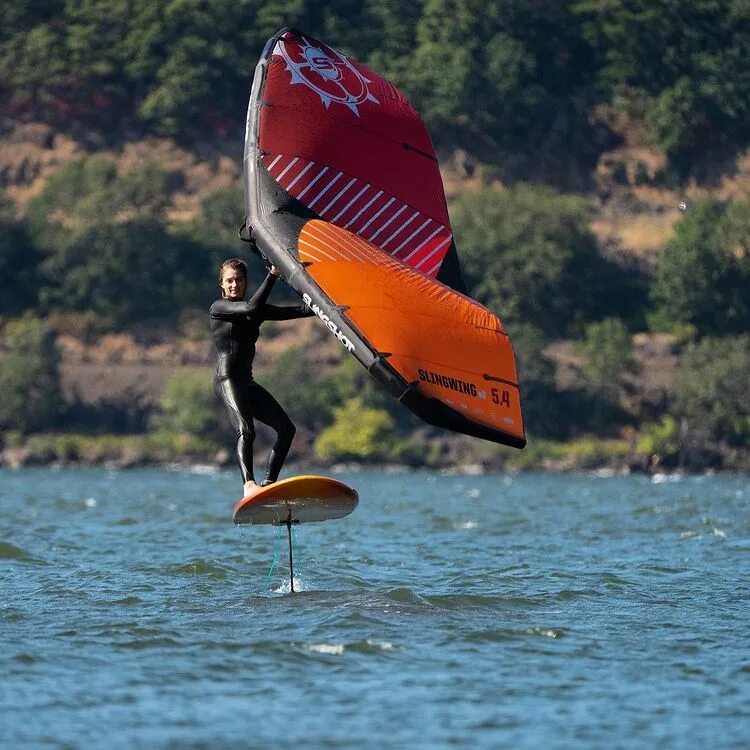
(309, 400)
(608, 348)
(712, 401)
(359, 432)
(687, 62)
(29, 376)
(19, 268)
(188, 405)
(702, 274)
(90, 191)
(493, 74)
(79, 194)
(528, 254)
(127, 272)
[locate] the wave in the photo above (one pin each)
(9, 551)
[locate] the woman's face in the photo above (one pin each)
(233, 284)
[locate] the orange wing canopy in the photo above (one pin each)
(360, 230)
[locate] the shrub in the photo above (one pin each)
(308, 400)
(361, 433)
(608, 348)
(659, 441)
(29, 376)
(703, 273)
(712, 402)
(19, 269)
(189, 406)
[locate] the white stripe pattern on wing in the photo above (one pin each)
(309, 255)
(287, 168)
(422, 244)
(317, 249)
(352, 244)
(301, 174)
(383, 226)
(352, 249)
(363, 209)
(372, 218)
(435, 268)
(401, 228)
(411, 236)
(324, 190)
(434, 250)
(312, 182)
(346, 207)
(338, 195)
(332, 248)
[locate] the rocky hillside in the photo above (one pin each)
(633, 214)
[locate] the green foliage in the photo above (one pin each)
(121, 450)
(712, 402)
(499, 75)
(197, 74)
(167, 445)
(312, 401)
(145, 190)
(90, 191)
(540, 398)
(659, 442)
(733, 234)
(553, 412)
(189, 406)
(585, 452)
(29, 376)
(19, 263)
(308, 400)
(528, 254)
(508, 81)
(106, 247)
(128, 272)
(215, 229)
(608, 348)
(220, 215)
(77, 195)
(688, 62)
(703, 273)
(360, 433)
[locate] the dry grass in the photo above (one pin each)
(638, 234)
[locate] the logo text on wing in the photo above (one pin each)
(330, 325)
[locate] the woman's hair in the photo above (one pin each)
(235, 264)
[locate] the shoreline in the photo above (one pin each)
(119, 452)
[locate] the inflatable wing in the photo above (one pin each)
(343, 191)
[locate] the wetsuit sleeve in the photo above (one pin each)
(285, 312)
(225, 309)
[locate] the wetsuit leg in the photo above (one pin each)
(236, 399)
(267, 409)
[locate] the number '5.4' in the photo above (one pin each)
(500, 397)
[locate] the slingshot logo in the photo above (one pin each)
(330, 325)
(327, 72)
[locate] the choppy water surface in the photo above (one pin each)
(463, 611)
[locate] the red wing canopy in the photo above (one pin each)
(344, 193)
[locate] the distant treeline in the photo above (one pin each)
(98, 245)
(513, 82)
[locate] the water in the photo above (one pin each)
(448, 611)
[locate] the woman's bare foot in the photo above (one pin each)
(250, 487)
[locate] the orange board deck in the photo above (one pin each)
(299, 499)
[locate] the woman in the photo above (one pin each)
(235, 326)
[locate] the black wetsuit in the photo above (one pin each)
(235, 327)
